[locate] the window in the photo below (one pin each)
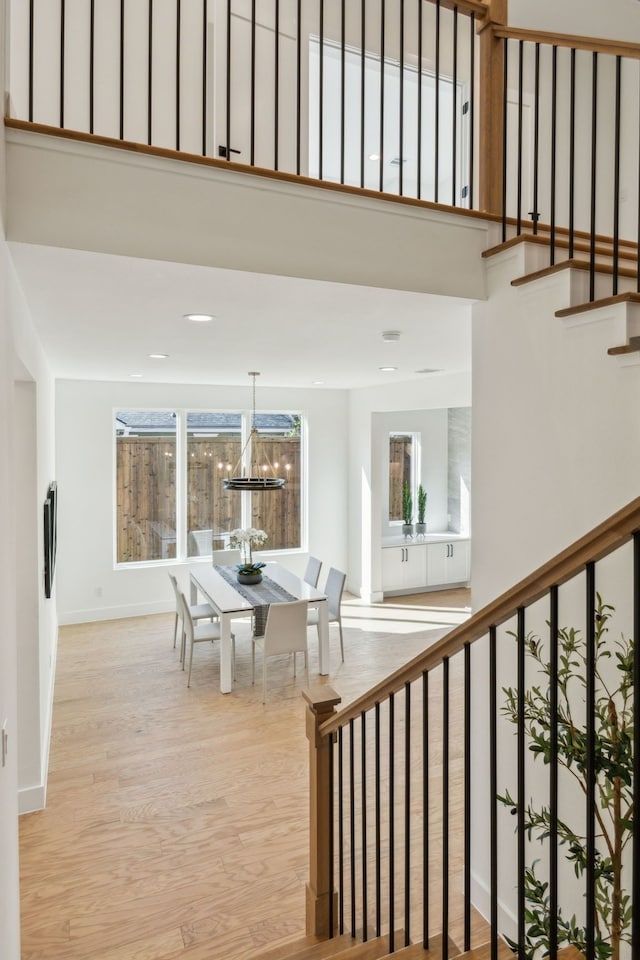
(159, 453)
(403, 468)
(145, 485)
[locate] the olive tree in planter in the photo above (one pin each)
(407, 510)
(613, 796)
(421, 526)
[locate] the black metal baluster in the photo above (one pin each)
(340, 834)
(331, 838)
(378, 831)
(228, 79)
(553, 772)
(536, 136)
(616, 184)
(298, 86)
(635, 858)
(276, 85)
(352, 825)
(252, 149)
(31, 38)
(554, 146)
(363, 817)
(392, 832)
(493, 791)
(407, 813)
(590, 772)
(472, 104)
(520, 91)
(401, 104)
(436, 114)
(467, 797)
(419, 124)
(205, 24)
(572, 151)
(122, 69)
(425, 810)
(362, 87)
(454, 108)
(321, 93)
(63, 11)
(521, 776)
(594, 152)
(381, 148)
(342, 89)
(178, 45)
(150, 71)
(505, 126)
(445, 808)
(92, 51)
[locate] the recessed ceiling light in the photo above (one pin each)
(387, 369)
(199, 317)
(429, 370)
(159, 356)
(391, 336)
(317, 383)
(374, 156)
(135, 375)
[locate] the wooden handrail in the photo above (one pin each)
(479, 7)
(602, 540)
(590, 44)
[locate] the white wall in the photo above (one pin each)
(615, 19)
(556, 450)
(9, 905)
(88, 586)
(368, 449)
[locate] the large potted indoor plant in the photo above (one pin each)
(407, 510)
(248, 571)
(421, 526)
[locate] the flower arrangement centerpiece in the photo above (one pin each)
(246, 540)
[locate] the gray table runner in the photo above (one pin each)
(260, 595)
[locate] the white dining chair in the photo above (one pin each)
(225, 558)
(204, 632)
(285, 632)
(312, 573)
(198, 611)
(333, 590)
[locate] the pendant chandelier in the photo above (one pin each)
(254, 481)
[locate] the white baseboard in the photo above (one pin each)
(481, 899)
(32, 798)
(115, 613)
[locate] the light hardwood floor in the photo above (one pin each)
(176, 819)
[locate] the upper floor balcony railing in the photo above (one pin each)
(429, 100)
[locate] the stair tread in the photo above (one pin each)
(307, 948)
(596, 304)
(574, 265)
(603, 249)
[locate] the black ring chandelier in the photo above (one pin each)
(254, 482)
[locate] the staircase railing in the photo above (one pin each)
(426, 812)
(376, 94)
(570, 150)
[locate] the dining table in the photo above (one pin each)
(232, 601)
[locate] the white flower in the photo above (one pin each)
(250, 535)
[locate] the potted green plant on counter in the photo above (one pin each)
(407, 510)
(421, 526)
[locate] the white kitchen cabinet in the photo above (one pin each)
(404, 567)
(448, 562)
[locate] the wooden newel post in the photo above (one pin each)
(491, 108)
(321, 704)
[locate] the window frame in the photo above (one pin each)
(181, 481)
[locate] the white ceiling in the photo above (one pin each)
(99, 317)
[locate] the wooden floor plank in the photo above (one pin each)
(176, 820)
